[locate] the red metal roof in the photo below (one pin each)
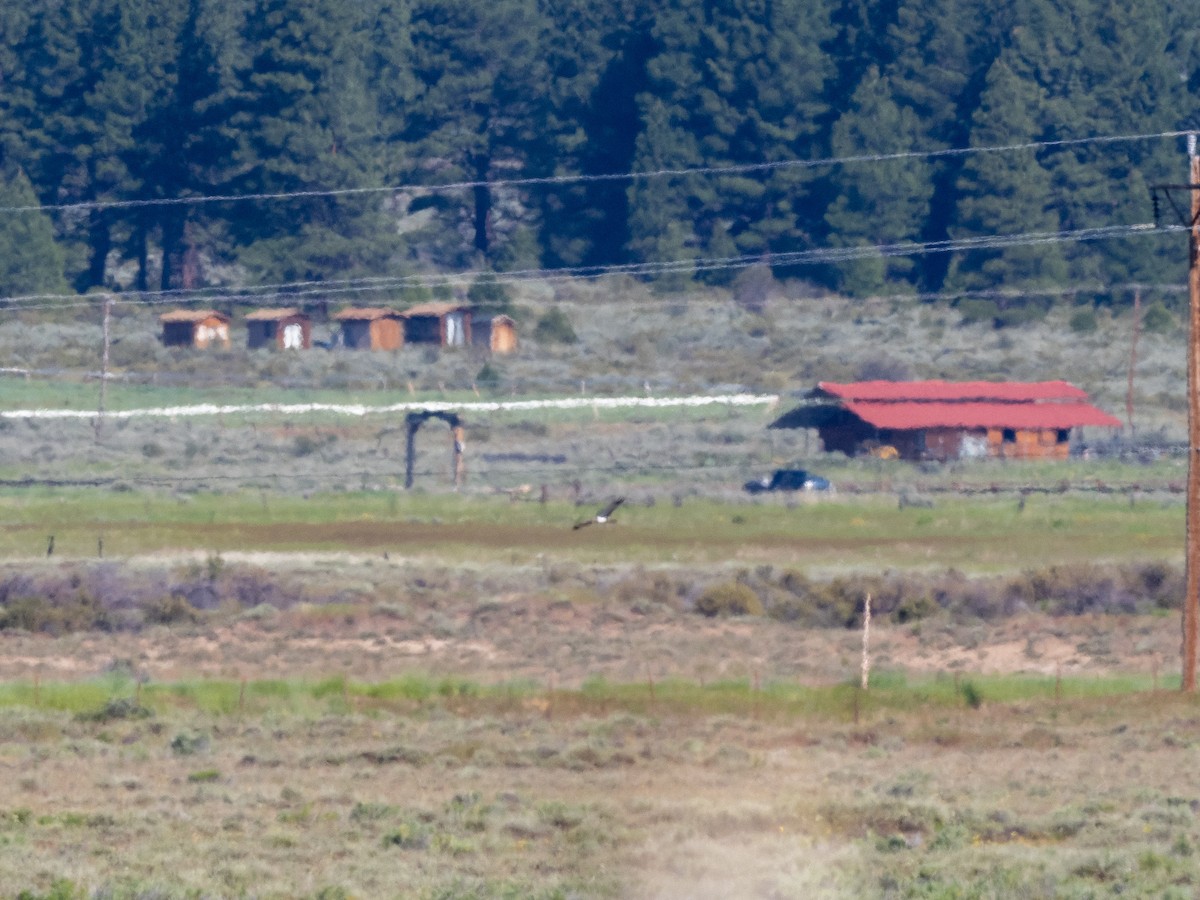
(997, 391)
(907, 415)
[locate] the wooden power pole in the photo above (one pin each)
(1190, 601)
(1189, 217)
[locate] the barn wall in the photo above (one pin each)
(356, 334)
(503, 338)
(387, 334)
(1037, 443)
(177, 334)
(909, 444)
(943, 443)
(259, 334)
(291, 322)
(845, 437)
(212, 331)
(423, 330)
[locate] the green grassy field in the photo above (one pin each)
(975, 534)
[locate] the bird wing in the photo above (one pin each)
(583, 524)
(608, 510)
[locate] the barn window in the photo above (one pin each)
(1063, 435)
(1009, 436)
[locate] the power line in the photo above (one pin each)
(584, 179)
(816, 256)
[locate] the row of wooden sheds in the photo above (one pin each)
(361, 328)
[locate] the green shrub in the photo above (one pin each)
(974, 311)
(489, 296)
(729, 598)
(117, 708)
(1084, 322)
(170, 611)
(189, 744)
(1157, 319)
(1025, 314)
(371, 812)
(81, 612)
(555, 328)
(408, 836)
(916, 607)
(488, 377)
(62, 889)
(971, 694)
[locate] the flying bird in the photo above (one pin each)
(603, 517)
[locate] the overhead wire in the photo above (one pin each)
(736, 169)
(815, 256)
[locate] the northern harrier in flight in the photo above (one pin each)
(603, 517)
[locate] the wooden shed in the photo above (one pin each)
(444, 324)
(948, 420)
(497, 333)
(195, 328)
(371, 328)
(283, 329)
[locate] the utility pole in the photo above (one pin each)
(1133, 342)
(103, 367)
(1190, 610)
(1191, 220)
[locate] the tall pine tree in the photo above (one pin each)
(188, 146)
(480, 116)
(307, 124)
(880, 202)
(1006, 193)
(30, 260)
(734, 82)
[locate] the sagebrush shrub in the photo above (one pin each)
(729, 598)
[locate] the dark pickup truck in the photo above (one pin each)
(788, 480)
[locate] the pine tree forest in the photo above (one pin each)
(153, 145)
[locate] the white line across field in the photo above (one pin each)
(354, 409)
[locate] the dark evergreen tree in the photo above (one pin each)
(597, 63)
(307, 124)
(940, 52)
(188, 146)
(480, 116)
(44, 100)
(30, 260)
(387, 37)
(92, 69)
(14, 26)
(1113, 77)
(734, 82)
(881, 202)
(860, 41)
(1006, 193)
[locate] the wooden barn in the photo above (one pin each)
(444, 324)
(944, 420)
(497, 333)
(199, 328)
(281, 329)
(371, 328)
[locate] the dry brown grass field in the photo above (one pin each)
(248, 665)
(333, 723)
